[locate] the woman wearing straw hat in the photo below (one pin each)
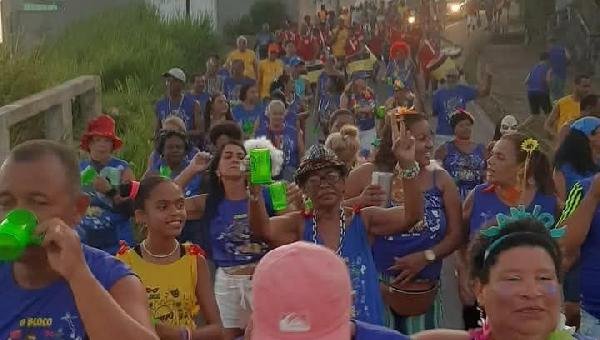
(322, 178)
(104, 225)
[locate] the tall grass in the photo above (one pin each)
(129, 48)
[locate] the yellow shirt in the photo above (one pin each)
(268, 72)
(171, 287)
(339, 45)
(568, 110)
(248, 57)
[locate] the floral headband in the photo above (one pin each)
(517, 214)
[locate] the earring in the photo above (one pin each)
(481, 315)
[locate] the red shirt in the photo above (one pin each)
(306, 47)
(287, 36)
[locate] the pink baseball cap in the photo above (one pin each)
(301, 291)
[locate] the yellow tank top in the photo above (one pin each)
(568, 110)
(171, 287)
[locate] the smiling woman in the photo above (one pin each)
(521, 299)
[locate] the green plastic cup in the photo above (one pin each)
(260, 166)
(278, 194)
(380, 112)
(17, 233)
(88, 176)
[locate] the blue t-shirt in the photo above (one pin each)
(467, 170)
(558, 61)
(356, 253)
(102, 226)
(201, 98)
(446, 101)
(247, 119)
(193, 187)
(386, 248)
(183, 109)
(50, 312)
(366, 331)
(536, 82)
(232, 87)
(231, 240)
(486, 205)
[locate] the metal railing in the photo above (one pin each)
(56, 104)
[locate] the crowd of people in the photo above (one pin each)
(391, 228)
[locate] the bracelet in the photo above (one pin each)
(411, 172)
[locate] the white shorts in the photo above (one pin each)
(234, 298)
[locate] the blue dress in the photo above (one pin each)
(467, 170)
(356, 252)
(102, 227)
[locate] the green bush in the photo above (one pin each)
(130, 48)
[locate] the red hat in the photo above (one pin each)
(399, 48)
(101, 126)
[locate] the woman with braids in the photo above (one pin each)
(518, 299)
(573, 162)
(411, 261)
(322, 178)
(518, 173)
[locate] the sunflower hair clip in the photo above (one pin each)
(530, 145)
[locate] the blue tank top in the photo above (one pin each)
(467, 170)
(356, 252)
(537, 79)
(287, 141)
(201, 98)
(486, 205)
(248, 118)
(385, 248)
(50, 312)
(102, 227)
(590, 266)
(558, 61)
(231, 241)
(183, 109)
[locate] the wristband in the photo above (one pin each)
(411, 172)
